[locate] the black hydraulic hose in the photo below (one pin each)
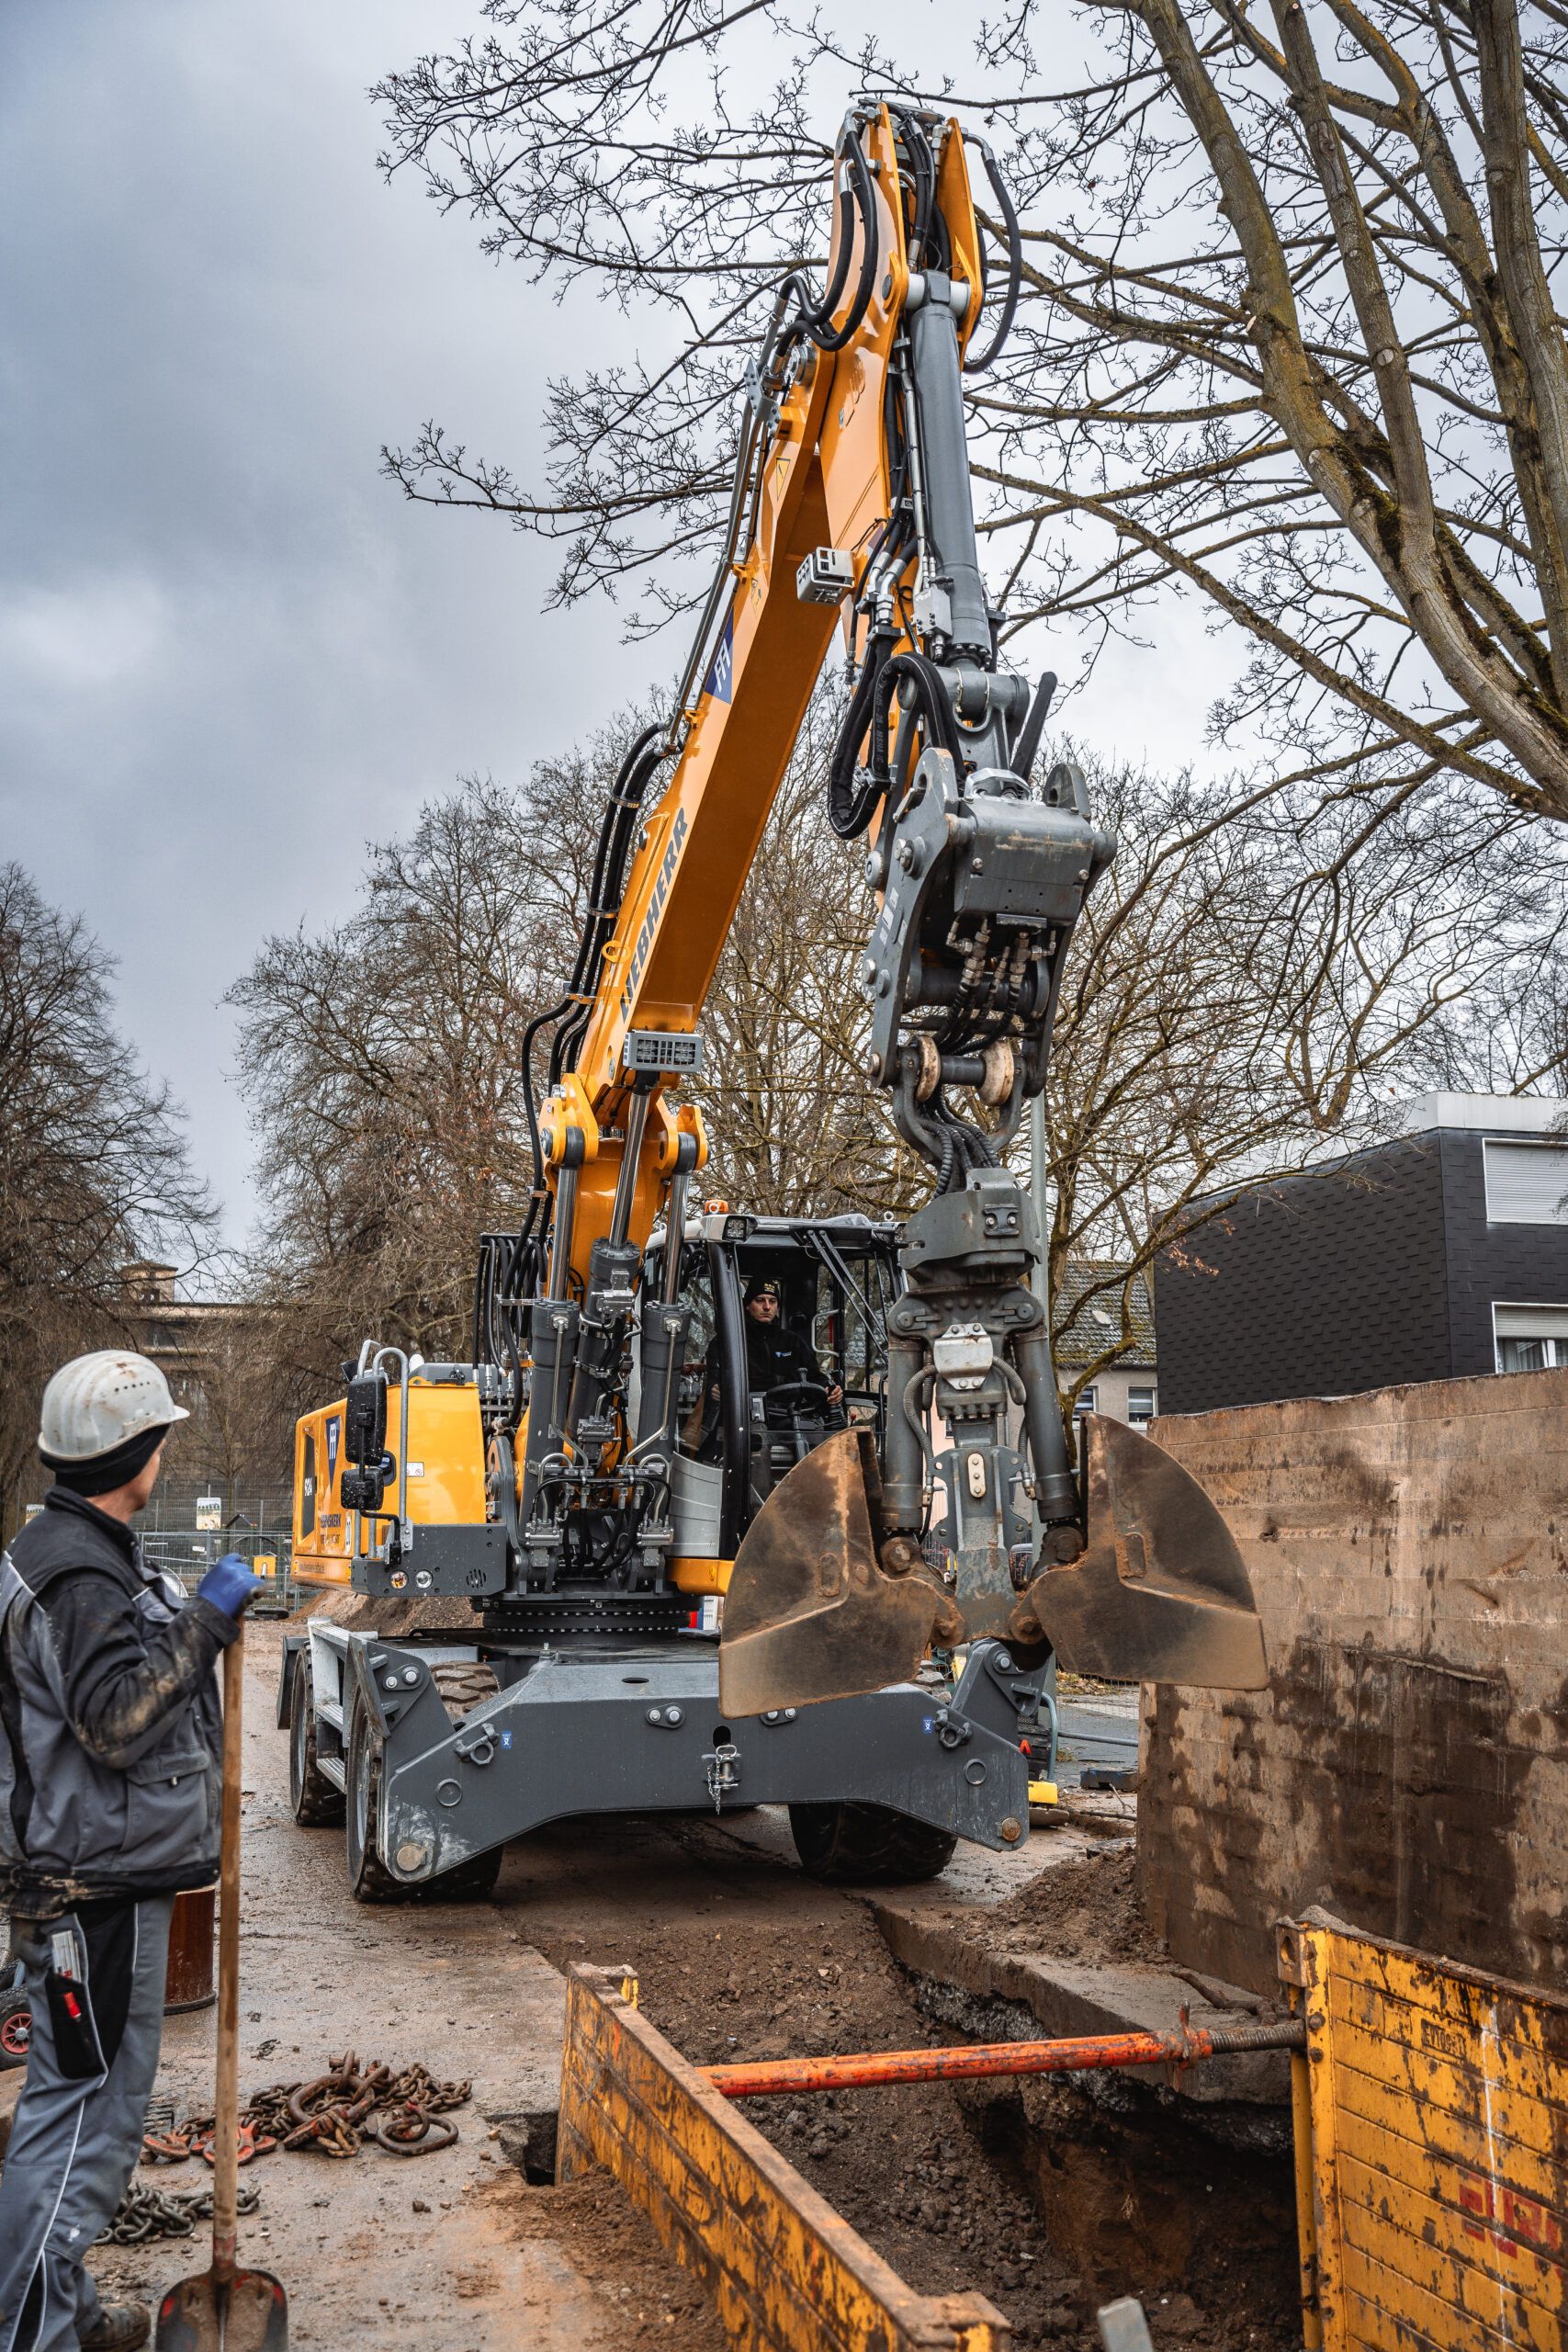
(849, 809)
(853, 795)
(607, 888)
(992, 352)
(813, 318)
(926, 680)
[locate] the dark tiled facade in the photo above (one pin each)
(1379, 1271)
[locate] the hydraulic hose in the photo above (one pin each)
(813, 317)
(972, 367)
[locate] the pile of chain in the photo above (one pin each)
(146, 2214)
(333, 2115)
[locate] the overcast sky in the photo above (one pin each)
(229, 652)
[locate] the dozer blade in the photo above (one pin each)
(810, 1613)
(1161, 1593)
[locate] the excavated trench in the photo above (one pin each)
(1051, 2197)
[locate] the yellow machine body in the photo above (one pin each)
(445, 1480)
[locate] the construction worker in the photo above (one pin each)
(110, 1764)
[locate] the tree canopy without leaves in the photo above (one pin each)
(93, 1167)
(1290, 336)
(1251, 973)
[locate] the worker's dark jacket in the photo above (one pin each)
(110, 1733)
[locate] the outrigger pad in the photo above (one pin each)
(1161, 1594)
(810, 1613)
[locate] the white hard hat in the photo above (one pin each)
(96, 1404)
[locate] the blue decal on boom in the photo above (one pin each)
(720, 679)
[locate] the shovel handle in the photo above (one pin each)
(226, 2130)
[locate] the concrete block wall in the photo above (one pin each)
(1408, 1764)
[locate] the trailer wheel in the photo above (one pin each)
(312, 1800)
(369, 1879)
(867, 1845)
(16, 2031)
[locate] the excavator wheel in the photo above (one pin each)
(369, 1879)
(312, 1800)
(867, 1845)
(463, 1684)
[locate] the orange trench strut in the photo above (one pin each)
(1082, 2053)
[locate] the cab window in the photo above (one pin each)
(307, 1486)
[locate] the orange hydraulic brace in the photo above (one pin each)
(1082, 2053)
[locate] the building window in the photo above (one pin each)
(1085, 1401)
(1530, 1339)
(1526, 1183)
(1140, 1406)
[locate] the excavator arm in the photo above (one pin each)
(851, 507)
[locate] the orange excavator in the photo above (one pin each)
(620, 1480)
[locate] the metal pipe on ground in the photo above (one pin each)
(1081, 2054)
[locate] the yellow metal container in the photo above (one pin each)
(1434, 2170)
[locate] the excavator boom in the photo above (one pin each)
(852, 509)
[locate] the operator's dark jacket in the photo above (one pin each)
(775, 1357)
(110, 1732)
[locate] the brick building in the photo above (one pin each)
(1436, 1253)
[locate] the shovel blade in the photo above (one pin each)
(810, 1613)
(1161, 1593)
(247, 2313)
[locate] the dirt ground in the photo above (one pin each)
(1038, 2198)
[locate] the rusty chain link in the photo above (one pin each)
(144, 2214)
(332, 2116)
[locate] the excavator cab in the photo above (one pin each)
(786, 1348)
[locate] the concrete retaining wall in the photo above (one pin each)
(1409, 1765)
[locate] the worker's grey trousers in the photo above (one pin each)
(73, 2144)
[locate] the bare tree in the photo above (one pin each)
(94, 1165)
(1254, 981)
(380, 1065)
(1290, 336)
(795, 1129)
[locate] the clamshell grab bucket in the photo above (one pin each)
(1160, 1594)
(810, 1613)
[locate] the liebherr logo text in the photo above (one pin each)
(655, 907)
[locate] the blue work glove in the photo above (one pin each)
(228, 1585)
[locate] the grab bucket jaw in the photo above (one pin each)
(810, 1613)
(1160, 1593)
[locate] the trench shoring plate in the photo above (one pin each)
(787, 2273)
(1438, 2103)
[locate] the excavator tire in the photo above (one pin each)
(867, 1845)
(312, 1800)
(369, 1879)
(464, 1683)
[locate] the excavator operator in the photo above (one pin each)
(777, 1358)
